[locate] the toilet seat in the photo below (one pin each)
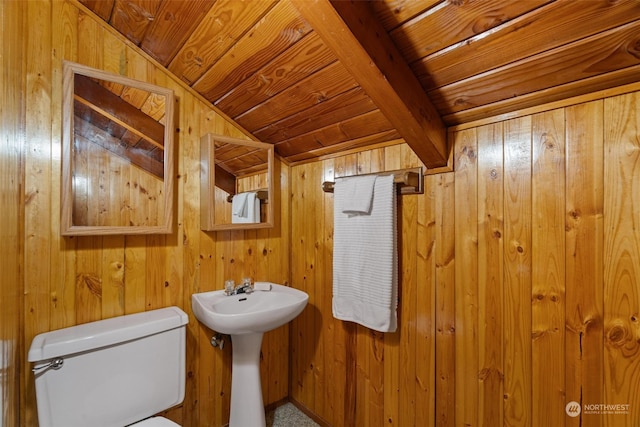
(155, 422)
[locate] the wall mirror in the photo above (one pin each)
(236, 183)
(117, 154)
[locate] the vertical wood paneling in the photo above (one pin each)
(426, 305)
(445, 294)
(622, 257)
(89, 279)
(134, 272)
(62, 278)
(37, 183)
(113, 276)
(326, 347)
(366, 375)
(375, 352)
(490, 274)
(314, 275)
(12, 153)
(392, 349)
(517, 296)
(336, 339)
(303, 239)
(276, 255)
(323, 360)
(548, 272)
(408, 284)
(73, 280)
(189, 173)
(466, 282)
(584, 258)
(540, 307)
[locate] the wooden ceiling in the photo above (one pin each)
(316, 77)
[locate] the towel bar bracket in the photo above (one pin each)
(408, 181)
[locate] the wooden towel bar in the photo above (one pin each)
(408, 181)
(263, 195)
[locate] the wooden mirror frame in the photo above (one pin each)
(208, 182)
(68, 228)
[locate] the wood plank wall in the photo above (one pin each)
(73, 280)
(11, 151)
(93, 163)
(541, 306)
(347, 374)
(519, 272)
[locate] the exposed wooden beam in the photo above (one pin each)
(363, 46)
(94, 135)
(225, 180)
(111, 106)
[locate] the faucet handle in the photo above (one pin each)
(229, 286)
(246, 281)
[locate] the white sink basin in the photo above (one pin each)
(259, 311)
(246, 317)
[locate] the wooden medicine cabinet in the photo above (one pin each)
(232, 168)
(117, 154)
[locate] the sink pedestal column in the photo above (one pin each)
(247, 407)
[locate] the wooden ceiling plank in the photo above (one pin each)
(249, 163)
(373, 122)
(347, 104)
(603, 53)
(280, 28)
(102, 8)
(367, 51)
(317, 88)
(226, 152)
(133, 17)
(171, 26)
(511, 107)
(391, 136)
(525, 36)
(455, 22)
(225, 23)
(393, 13)
(306, 57)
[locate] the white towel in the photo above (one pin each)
(239, 205)
(245, 208)
(253, 207)
(358, 193)
(365, 260)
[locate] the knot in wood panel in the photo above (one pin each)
(618, 334)
(92, 283)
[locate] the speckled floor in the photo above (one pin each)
(288, 415)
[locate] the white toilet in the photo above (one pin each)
(111, 373)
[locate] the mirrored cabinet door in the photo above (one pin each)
(236, 183)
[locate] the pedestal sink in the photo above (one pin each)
(246, 317)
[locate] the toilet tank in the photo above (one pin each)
(114, 372)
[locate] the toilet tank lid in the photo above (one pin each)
(102, 333)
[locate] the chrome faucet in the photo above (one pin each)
(244, 288)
